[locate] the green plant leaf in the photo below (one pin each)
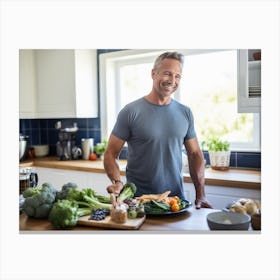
(216, 145)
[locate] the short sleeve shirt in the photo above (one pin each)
(155, 135)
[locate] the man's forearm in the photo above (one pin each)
(197, 170)
(111, 167)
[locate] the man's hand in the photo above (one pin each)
(202, 203)
(115, 188)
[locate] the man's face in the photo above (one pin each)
(166, 77)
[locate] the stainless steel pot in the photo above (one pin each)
(22, 146)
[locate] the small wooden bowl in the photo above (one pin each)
(257, 55)
(256, 221)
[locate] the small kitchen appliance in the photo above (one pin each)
(23, 146)
(28, 177)
(66, 148)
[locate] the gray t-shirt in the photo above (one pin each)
(155, 135)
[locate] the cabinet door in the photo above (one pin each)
(55, 71)
(249, 82)
(27, 85)
(67, 83)
(59, 177)
(221, 197)
(86, 83)
(189, 191)
(58, 83)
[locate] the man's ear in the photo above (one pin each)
(153, 72)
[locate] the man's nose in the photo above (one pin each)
(172, 79)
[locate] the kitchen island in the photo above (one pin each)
(193, 220)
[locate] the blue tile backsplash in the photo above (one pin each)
(241, 159)
(43, 131)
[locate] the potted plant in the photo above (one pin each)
(100, 148)
(219, 153)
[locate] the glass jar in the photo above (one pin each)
(132, 211)
(28, 177)
(140, 210)
(118, 214)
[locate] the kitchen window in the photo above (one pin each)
(208, 86)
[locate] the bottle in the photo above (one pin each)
(87, 144)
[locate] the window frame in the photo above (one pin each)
(110, 62)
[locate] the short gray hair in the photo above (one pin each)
(171, 55)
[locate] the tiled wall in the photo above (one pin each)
(43, 131)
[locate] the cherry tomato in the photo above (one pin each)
(172, 201)
(93, 156)
(175, 207)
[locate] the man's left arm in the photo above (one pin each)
(197, 171)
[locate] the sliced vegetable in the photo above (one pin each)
(157, 197)
(183, 204)
(161, 205)
(152, 209)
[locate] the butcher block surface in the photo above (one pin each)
(108, 223)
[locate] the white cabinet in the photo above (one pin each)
(59, 177)
(27, 81)
(249, 81)
(219, 196)
(189, 191)
(65, 83)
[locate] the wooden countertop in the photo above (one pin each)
(191, 220)
(241, 178)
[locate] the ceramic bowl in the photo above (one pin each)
(41, 150)
(223, 220)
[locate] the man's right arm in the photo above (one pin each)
(111, 165)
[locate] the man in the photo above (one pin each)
(155, 128)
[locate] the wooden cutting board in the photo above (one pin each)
(108, 223)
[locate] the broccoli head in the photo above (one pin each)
(31, 191)
(62, 194)
(40, 203)
(75, 194)
(128, 191)
(64, 213)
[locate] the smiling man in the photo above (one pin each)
(155, 128)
